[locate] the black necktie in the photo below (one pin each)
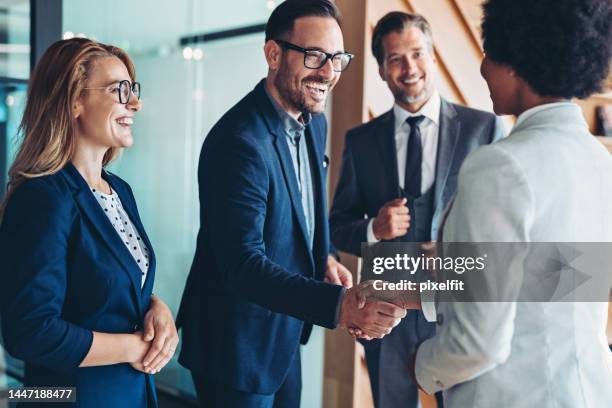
(414, 158)
(296, 141)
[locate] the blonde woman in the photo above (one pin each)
(77, 265)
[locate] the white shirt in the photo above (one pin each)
(429, 140)
(113, 209)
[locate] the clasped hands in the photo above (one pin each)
(159, 339)
(368, 315)
(388, 304)
(363, 313)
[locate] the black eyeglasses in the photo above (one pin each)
(124, 89)
(316, 59)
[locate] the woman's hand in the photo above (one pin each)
(137, 348)
(160, 330)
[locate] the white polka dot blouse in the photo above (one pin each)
(117, 215)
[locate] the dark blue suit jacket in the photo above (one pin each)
(65, 273)
(254, 281)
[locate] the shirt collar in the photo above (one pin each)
(291, 126)
(532, 111)
(431, 110)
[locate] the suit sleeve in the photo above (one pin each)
(236, 188)
(476, 337)
(34, 239)
(348, 227)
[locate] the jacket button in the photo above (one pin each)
(135, 327)
(440, 319)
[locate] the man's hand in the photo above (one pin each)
(403, 299)
(159, 328)
(337, 273)
(374, 319)
(392, 221)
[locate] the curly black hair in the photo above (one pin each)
(561, 48)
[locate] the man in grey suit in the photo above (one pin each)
(398, 173)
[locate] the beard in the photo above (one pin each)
(400, 95)
(296, 95)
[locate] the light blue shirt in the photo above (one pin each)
(295, 132)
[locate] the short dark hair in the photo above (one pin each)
(282, 18)
(398, 21)
(561, 48)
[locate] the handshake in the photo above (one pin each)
(369, 315)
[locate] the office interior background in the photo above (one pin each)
(195, 59)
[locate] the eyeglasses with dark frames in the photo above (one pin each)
(316, 59)
(124, 89)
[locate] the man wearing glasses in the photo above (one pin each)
(262, 273)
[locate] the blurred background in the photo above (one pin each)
(195, 59)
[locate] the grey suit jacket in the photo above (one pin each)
(548, 181)
(369, 176)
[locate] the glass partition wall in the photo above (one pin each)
(14, 72)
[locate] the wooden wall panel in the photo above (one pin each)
(610, 323)
(457, 49)
(589, 105)
(340, 382)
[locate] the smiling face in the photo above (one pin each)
(304, 90)
(100, 119)
(408, 67)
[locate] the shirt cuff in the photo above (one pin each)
(370, 233)
(428, 306)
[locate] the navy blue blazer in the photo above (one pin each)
(369, 177)
(254, 281)
(65, 273)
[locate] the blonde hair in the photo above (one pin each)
(47, 124)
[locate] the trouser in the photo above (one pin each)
(214, 395)
(388, 363)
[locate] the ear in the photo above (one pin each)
(273, 54)
(77, 108)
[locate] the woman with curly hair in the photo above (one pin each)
(550, 180)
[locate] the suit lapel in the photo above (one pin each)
(93, 212)
(448, 136)
(444, 217)
(274, 125)
(388, 152)
(316, 160)
(291, 181)
(128, 205)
